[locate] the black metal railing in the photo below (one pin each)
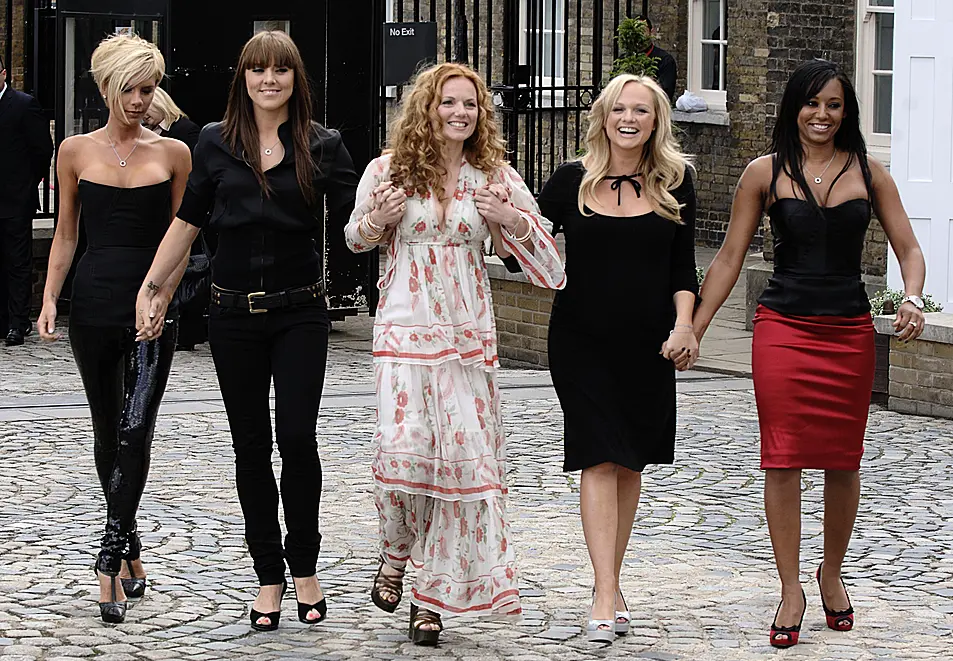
(545, 61)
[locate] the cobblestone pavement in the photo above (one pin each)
(699, 578)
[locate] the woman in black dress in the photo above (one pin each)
(259, 181)
(129, 183)
(813, 339)
(627, 209)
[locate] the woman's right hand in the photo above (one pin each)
(390, 203)
(46, 324)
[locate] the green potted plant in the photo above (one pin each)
(634, 40)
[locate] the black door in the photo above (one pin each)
(336, 47)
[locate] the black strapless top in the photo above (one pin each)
(124, 227)
(817, 258)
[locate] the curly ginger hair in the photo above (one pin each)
(416, 142)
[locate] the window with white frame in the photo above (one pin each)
(543, 43)
(874, 78)
(707, 50)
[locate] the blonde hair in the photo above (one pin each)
(122, 61)
(171, 113)
(663, 163)
(417, 144)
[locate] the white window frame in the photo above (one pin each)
(878, 144)
(390, 91)
(717, 99)
(559, 42)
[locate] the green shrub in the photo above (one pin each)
(700, 274)
(877, 301)
(633, 38)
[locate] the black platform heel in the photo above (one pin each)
(112, 612)
(304, 609)
(420, 617)
(273, 616)
(133, 587)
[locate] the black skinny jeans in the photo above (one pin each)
(124, 382)
(291, 346)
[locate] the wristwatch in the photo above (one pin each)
(916, 300)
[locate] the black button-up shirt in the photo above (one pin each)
(268, 243)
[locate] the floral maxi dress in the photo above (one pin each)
(440, 462)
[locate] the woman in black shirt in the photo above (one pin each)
(258, 180)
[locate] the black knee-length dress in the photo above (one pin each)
(608, 325)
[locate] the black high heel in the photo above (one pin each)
(304, 609)
(273, 616)
(112, 612)
(133, 587)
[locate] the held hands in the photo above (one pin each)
(151, 306)
(681, 347)
(493, 203)
(909, 322)
(46, 324)
(390, 203)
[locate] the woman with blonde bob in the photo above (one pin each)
(167, 119)
(627, 209)
(129, 183)
(440, 466)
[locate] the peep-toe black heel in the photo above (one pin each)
(273, 617)
(304, 609)
(112, 612)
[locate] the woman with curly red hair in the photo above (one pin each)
(439, 471)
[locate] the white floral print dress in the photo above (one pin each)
(440, 463)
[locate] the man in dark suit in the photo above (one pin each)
(25, 152)
(667, 69)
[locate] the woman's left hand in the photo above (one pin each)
(681, 348)
(493, 203)
(150, 314)
(909, 322)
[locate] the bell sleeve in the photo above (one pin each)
(543, 266)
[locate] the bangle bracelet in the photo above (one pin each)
(521, 239)
(370, 223)
(688, 326)
(374, 238)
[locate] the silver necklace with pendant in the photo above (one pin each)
(269, 150)
(817, 178)
(122, 161)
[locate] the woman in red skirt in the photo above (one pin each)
(813, 353)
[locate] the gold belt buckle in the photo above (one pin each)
(251, 302)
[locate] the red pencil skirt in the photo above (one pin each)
(812, 382)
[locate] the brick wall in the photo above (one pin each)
(921, 378)
(16, 33)
(522, 318)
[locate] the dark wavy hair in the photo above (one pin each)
(804, 84)
(271, 48)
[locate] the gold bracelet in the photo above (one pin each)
(529, 232)
(370, 239)
(374, 227)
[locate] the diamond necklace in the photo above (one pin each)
(817, 178)
(122, 161)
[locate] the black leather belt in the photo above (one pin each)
(259, 301)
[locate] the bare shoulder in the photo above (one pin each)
(176, 149)
(757, 174)
(879, 173)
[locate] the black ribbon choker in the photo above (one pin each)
(617, 184)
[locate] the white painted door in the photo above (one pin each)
(922, 143)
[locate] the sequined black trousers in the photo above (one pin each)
(124, 382)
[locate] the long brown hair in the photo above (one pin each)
(416, 145)
(265, 49)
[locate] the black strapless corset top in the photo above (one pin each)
(124, 227)
(817, 258)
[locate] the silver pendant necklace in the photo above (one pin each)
(269, 150)
(817, 178)
(122, 161)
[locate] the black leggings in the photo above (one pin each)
(124, 382)
(289, 345)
